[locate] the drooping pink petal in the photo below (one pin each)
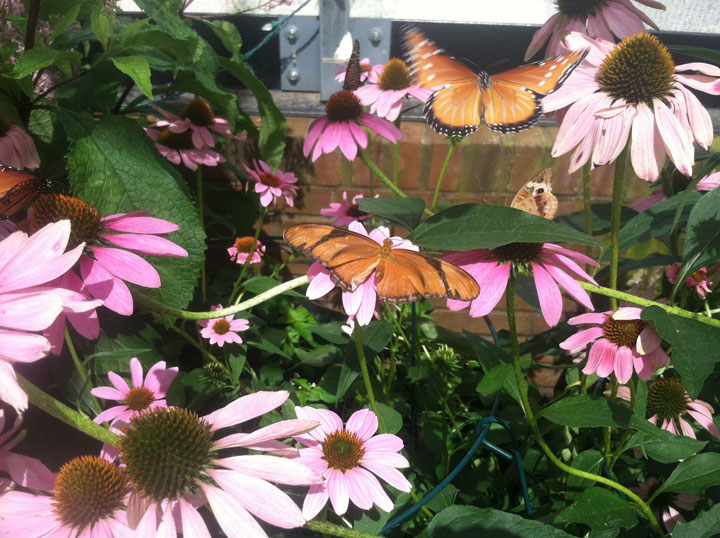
(337, 491)
(127, 266)
(146, 244)
(623, 364)
(234, 520)
(246, 408)
(580, 339)
(363, 423)
(548, 295)
(101, 284)
(676, 140)
(22, 347)
(315, 500)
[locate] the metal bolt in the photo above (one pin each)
(293, 76)
(292, 34)
(376, 35)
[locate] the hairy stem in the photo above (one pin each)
(365, 374)
(617, 199)
(330, 529)
(451, 149)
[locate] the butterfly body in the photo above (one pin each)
(401, 275)
(18, 188)
(508, 102)
(536, 196)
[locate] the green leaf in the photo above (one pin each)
(601, 214)
(271, 142)
(166, 15)
(664, 446)
(375, 338)
(332, 332)
(267, 345)
(599, 509)
(583, 411)
(654, 222)
(695, 346)
(488, 354)
(704, 525)
(228, 35)
(138, 69)
(114, 166)
(712, 56)
(318, 357)
(702, 241)
(32, 60)
(237, 362)
(406, 212)
(260, 284)
(694, 474)
(180, 49)
(100, 26)
(459, 521)
(495, 379)
(589, 461)
(63, 23)
(390, 419)
(470, 226)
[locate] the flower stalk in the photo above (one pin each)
(366, 375)
(451, 149)
(617, 199)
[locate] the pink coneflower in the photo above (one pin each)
(360, 304)
(546, 262)
(667, 504)
(148, 393)
(622, 341)
(633, 86)
(680, 183)
(342, 127)
(368, 72)
(179, 148)
(174, 465)
(271, 186)
(346, 212)
(221, 331)
(386, 97)
(196, 116)
(17, 148)
(349, 457)
(85, 499)
(668, 402)
(698, 280)
(28, 304)
(240, 250)
(103, 267)
(611, 20)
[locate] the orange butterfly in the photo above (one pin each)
(536, 196)
(402, 276)
(18, 189)
(509, 101)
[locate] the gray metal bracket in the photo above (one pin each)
(304, 68)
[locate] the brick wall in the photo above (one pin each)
(486, 167)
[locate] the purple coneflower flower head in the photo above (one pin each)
(548, 264)
(611, 20)
(271, 186)
(698, 280)
(632, 88)
(350, 457)
(240, 251)
(174, 466)
(346, 212)
(86, 498)
(17, 148)
(145, 393)
(666, 506)
(178, 148)
(342, 127)
(197, 117)
(385, 98)
(621, 342)
(107, 261)
(225, 330)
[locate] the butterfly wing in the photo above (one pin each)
(18, 189)
(536, 196)
(353, 71)
(407, 276)
(454, 108)
(512, 99)
(349, 257)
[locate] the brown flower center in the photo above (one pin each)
(244, 244)
(85, 220)
(175, 140)
(395, 76)
(343, 450)
(221, 326)
(354, 211)
(5, 125)
(667, 398)
(199, 112)
(87, 490)
(698, 276)
(343, 106)
(638, 70)
(580, 9)
(623, 332)
(270, 179)
(518, 252)
(139, 398)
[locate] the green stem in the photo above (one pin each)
(608, 430)
(644, 508)
(365, 374)
(646, 302)
(372, 176)
(617, 199)
(588, 210)
(451, 149)
(246, 265)
(396, 156)
(67, 415)
(156, 306)
(201, 216)
(80, 367)
(325, 527)
(374, 169)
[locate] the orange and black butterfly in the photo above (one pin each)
(18, 189)
(536, 196)
(402, 276)
(353, 71)
(508, 102)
